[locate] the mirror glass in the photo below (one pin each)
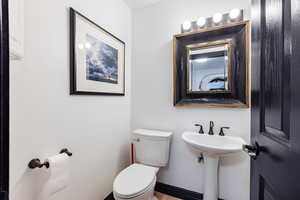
(209, 67)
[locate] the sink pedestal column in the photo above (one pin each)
(211, 168)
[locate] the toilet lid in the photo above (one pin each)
(134, 180)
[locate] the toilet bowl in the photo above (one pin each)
(137, 182)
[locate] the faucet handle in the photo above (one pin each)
(222, 131)
(201, 128)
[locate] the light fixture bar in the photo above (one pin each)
(235, 15)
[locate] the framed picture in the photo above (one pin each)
(97, 59)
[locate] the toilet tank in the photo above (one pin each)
(152, 147)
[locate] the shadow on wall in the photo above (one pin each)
(35, 185)
(32, 184)
(231, 159)
(238, 158)
(125, 152)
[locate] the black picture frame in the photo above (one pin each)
(73, 77)
(239, 96)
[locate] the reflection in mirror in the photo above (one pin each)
(209, 67)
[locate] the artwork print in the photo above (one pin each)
(101, 61)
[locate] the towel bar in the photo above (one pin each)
(36, 163)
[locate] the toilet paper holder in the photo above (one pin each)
(36, 163)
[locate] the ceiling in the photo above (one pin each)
(136, 4)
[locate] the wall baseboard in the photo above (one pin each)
(171, 191)
(178, 192)
(110, 197)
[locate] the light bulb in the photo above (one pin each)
(80, 46)
(88, 45)
(201, 60)
(234, 13)
(201, 21)
(217, 18)
(186, 25)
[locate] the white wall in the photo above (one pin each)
(152, 106)
(45, 118)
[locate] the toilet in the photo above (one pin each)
(137, 181)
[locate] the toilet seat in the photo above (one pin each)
(134, 181)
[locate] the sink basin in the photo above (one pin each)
(211, 147)
(213, 144)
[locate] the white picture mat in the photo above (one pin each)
(84, 27)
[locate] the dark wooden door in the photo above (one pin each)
(4, 100)
(275, 121)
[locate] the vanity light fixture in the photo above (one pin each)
(187, 25)
(234, 13)
(217, 18)
(201, 22)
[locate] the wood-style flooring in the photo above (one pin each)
(161, 196)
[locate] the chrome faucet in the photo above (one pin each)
(211, 128)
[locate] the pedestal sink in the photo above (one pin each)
(212, 147)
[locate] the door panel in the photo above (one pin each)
(275, 116)
(272, 57)
(275, 75)
(266, 191)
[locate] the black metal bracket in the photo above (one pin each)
(66, 151)
(36, 163)
(201, 158)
